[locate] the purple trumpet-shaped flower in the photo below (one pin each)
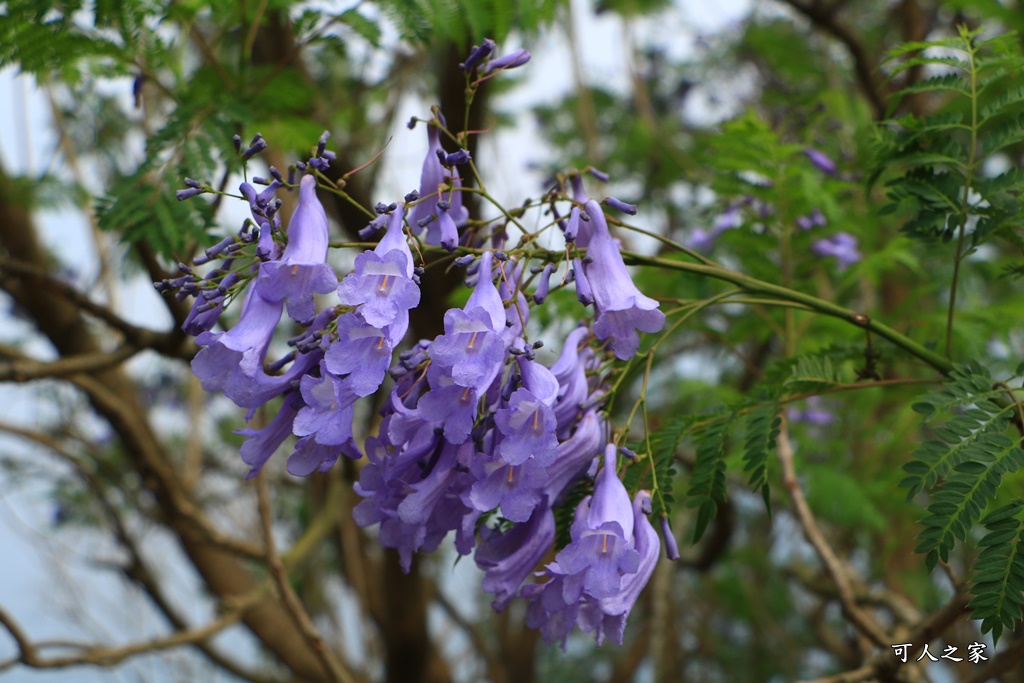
(303, 270)
(327, 415)
(231, 360)
(517, 489)
(382, 282)
(260, 444)
(509, 557)
(450, 404)
(601, 551)
(842, 246)
(548, 611)
(361, 355)
(528, 424)
(607, 616)
(432, 182)
(472, 349)
(510, 61)
(312, 456)
(622, 309)
(381, 287)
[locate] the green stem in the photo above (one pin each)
(962, 228)
(755, 286)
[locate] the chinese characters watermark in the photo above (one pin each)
(975, 653)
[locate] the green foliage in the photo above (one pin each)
(465, 21)
(565, 512)
(656, 472)
(962, 469)
(759, 442)
(998, 578)
(941, 157)
(813, 372)
(142, 205)
(965, 435)
(707, 481)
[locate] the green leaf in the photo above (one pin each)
(759, 441)
(707, 481)
(998, 578)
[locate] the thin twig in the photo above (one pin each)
(334, 668)
(833, 565)
(26, 369)
(29, 655)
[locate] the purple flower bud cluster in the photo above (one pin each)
(479, 435)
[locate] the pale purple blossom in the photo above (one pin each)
(842, 246)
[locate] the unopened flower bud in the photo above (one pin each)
(671, 547)
(620, 205)
(478, 54)
(510, 61)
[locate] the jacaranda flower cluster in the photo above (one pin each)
(479, 438)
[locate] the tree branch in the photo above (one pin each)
(23, 369)
(99, 655)
(860, 620)
(864, 67)
(337, 672)
(168, 343)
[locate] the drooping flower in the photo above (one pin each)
(361, 354)
(302, 270)
(601, 551)
(472, 348)
(509, 557)
(622, 309)
(260, 444)
(607, 616)
(516, 489)
(231, 360)
(327, 415)
(381, 284)
(528, 423)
